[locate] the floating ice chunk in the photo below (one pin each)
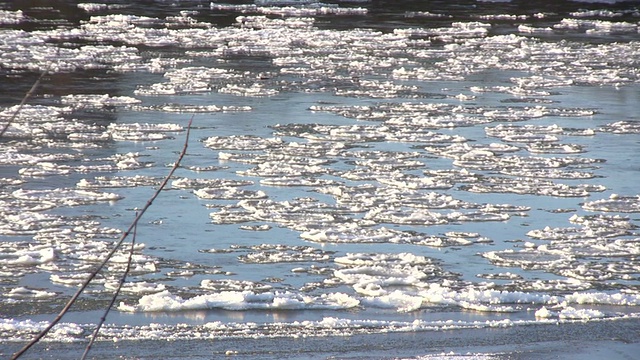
(528, 258)
(241, 142)
(615, 203)
(373, 259)
(601, 220)
(547, 173)
(279, 169)
(368, 280)
(570, 313)
(229, 193)
(352, 234)
(536, 81)
(543, 313)
(257, 90)
(549, 233)
(45, 168)
(189, 80)
(501, 276)
(234, 285)
(97, 101)
(197, 168)
(117, 181)
(93, 7)
(69, 279)
(528, 29)
(12, 17)
(485, 307)
(622, 127)
(7, 182)
(602, 298)
(27, 221)
(235, 300)
(285, 254)
(21, 293)
(138, 287)
(388, 163)
(142, 132)
(407, 181)
(502, 16)
(68, 197)
(466, 150)
(35, 114)
(422, 73)
(508, 131)
(186, 183)
(549, 148)
(598, 12)
(534, 186)
(231, 216)
(458, 30)
(286, 2)
(297, 181)
(34, 255)
(478, 216)
(263, 227)
(40, 55)
(392, 215)
(378, 276)
(309, 10)
(427, 14)
(121, 19)
(597, 26)
(182, 108)
(398, 300)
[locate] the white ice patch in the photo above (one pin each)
(245, 300)
(97, 101)
(241, 142)
(186, 183)
(266, 254)
(101, 182)
(138, 287)
(25, 293)
(622, 127)
(32, 255)
(229, 193)
(141, 132)
(234, 285)
(579, 314)
(615, 203)
(66, 197)
(12, 17)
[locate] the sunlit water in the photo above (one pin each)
(352, 169)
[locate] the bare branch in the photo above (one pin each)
(95, 272)
(115, 296)
(24, 100)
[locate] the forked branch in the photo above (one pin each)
(97, 270)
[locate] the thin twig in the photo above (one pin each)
(95, 272)
(115, 295)
(24, 101)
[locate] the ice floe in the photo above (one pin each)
(240, 300)
(615, 203)
(622, 127)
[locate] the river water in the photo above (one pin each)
(363, 179)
